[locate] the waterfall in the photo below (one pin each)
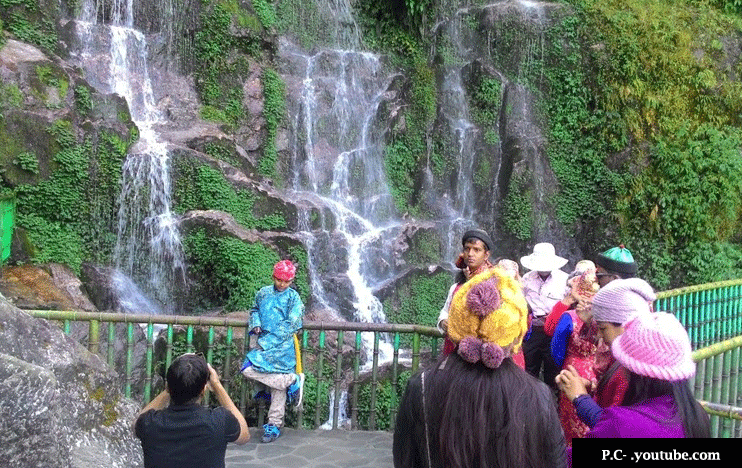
(148, 247)
(337, 164)
(461, 207)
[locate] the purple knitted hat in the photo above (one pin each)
(619, 300)
(655, 345)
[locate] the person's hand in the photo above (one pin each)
(213, 378)
(569, 299)
(256, 331)
(571, 383)
(444, 325)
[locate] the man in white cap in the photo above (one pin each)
(543, 286)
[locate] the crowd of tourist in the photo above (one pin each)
(533, 362)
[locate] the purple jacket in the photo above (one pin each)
(652, 418)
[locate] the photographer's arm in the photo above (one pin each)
(159, 402)
(223, 398)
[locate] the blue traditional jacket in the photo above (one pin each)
(279, 315)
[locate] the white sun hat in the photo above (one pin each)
(543, 258)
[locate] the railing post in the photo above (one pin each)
(189, 339)
(169, 348)
(304, 346)
(320, 377)
(111, 343)
(415, 352)
(395, 376)
(129, 357)
(374, 383)
(356, 368)
(148, 379)
(93, 336)
(338, 378)
(227, 369)
(209, 358)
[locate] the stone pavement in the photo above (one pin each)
(313, 449)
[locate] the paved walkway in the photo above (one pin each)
(314, 449)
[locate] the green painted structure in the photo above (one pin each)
(333, 357)
(7, 221)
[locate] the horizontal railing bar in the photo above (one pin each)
(731, 412)
(227, 321)
(697, 288)
(717, 348)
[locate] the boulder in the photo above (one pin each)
(46, 287)
(61, 405)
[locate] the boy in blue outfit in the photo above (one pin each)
(275, 317)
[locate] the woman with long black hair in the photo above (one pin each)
(475, 408)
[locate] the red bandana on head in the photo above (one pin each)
(284, 270)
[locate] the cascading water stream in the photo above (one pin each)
(148, 247)
(355, 191)
(337, 165)
(455, 109)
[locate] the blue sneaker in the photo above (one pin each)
(295, 392)
(270, 433)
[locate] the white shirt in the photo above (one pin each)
(543, 295)
(443, 315)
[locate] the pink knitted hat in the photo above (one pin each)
(655, 345)
(619, 300)
(284, 270)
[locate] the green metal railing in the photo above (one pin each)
(719, 387)
(7, 221)
(424, 345)
(712, 313)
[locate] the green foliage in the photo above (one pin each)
(304, 22)
(69, 216)
(83, 100)
(29, 23)
(205, 188)
(418, 302)
(651, 71)
(10, 96)
(266, 12)
(274, 110)
(518, 213)
(387, 400)
(730, 6)
(221, 63)
(221, 152)
(407, 151)
(486, 100)
(28, 162)
(226, 271)
(483, 173)
(53, 241)
(689, 200)
(49, 211)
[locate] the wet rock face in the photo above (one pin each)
(50, 287)
(60, 405)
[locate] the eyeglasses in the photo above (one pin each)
(602, 275)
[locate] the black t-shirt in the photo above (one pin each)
(186, 436)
